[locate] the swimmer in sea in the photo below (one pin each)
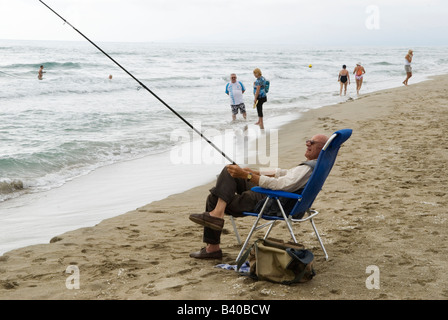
(41, 72)
(344, 78)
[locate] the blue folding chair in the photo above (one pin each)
(324, 164)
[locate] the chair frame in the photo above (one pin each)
(255, 227)
(287, 218)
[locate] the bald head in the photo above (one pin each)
(314, 145)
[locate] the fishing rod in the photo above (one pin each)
(142, 85)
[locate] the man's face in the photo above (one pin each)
(313, 147)
(233, 78)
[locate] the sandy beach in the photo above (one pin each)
(384, 205)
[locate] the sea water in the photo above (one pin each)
(77, 147)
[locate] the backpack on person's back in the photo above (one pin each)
(267, 83)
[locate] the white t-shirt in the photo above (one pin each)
(235, 92)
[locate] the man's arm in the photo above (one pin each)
(243, 89)
(294, 179)
(238, 172)
(291, 181)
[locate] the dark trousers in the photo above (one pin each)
(238, 196)
(260, 106)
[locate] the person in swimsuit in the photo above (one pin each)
(40, 73)
(344, 78)
(359, 73)
(407, 66)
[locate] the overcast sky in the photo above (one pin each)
(317, 22)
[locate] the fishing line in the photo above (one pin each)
(142, 85)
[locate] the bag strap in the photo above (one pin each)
(244, 257)
(270, 242)
(302, 255)
(297, 278)
(305, 260)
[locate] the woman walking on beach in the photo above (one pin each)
(344, 78)
(259, 95)
(407, 66)
(359, 74)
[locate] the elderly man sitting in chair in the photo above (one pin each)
(232, 194)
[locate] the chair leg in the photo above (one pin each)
(251, 231)
(287, 221)
(318, 238)
(243, 248)
(238, 239)
(269, 230)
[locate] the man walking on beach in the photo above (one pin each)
(235, 90)
(232, 194)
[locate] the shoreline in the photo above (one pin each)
(120, 187)
(143, 254)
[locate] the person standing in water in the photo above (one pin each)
(407, 66)
(260, 96)
(344, 78)
(40, 73)
(359, 74)
(235, 90)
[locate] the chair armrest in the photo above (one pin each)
(276, 193)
